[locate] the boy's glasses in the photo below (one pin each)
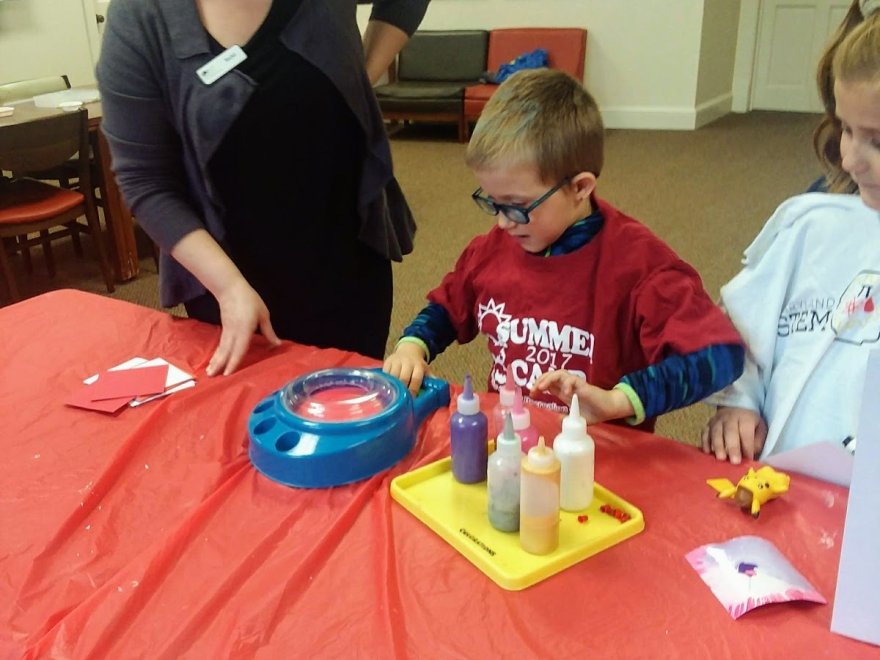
(517, 214)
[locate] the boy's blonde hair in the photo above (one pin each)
(539, 117)
(852, 56)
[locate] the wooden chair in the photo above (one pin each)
(66, 173)
(31, 206)
(25, 89)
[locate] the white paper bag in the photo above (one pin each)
(857, 599)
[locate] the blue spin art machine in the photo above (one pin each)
(337, 426)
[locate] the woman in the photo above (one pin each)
(247, 141)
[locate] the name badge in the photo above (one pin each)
(221, 65)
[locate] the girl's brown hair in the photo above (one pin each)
(852, 55)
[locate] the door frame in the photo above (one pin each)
(91, 24)
(746, 48)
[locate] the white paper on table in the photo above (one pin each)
(857, 599)
(176, 380)
(52, 99)
(128, 364)
(823, 460)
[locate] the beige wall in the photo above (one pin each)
(45, 38)
(650, 63)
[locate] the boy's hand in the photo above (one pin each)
(408, 364)
(596, 405)
(734, 433)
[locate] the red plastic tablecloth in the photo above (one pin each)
(149, 534)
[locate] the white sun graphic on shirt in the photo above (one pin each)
(489, 317)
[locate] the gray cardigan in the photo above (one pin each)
(163, 124)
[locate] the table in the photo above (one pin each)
(149, 534)
(117, 215)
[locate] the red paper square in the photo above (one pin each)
(129, 383)
(83, 399)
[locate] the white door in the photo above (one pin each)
(95, 12)
(791, 37)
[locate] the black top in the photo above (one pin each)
(288, 174)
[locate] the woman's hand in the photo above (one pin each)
(242, 311)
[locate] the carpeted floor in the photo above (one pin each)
(705, 192)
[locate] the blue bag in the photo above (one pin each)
(536, 59)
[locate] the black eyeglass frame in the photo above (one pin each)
(514, 213)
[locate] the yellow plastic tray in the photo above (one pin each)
(458, 513)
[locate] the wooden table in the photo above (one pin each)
(150, 535)
(119, 220)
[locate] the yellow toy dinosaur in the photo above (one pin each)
(756, 488)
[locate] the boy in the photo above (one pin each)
(574, 295)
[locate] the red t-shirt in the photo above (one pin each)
(618, 304)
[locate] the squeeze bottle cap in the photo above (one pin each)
(541, 456)
(521, 417)
(508, 442)
(507, 393)
(468, 403)
(573, 423)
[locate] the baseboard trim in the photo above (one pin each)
(713, 109)
(674, 118)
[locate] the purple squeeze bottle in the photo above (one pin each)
(506, 394)
(469, 437)
(522, 423)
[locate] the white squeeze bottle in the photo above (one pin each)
(506, 394)
(576, 452)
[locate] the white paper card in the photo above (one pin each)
(221, 65)
(857, 599)
(54, 99)
(823, 460)
(128, 364)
